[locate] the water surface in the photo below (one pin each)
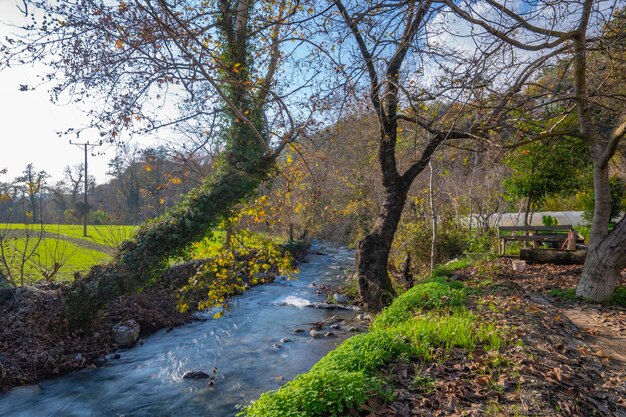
(147, 380)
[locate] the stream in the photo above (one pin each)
(147, 380)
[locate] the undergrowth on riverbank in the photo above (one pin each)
(424, 324)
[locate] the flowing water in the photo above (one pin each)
(147, 380)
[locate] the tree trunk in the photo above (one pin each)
(373, 251)
(605, 262)
(146, 253)
(433, 214)
(606, 256)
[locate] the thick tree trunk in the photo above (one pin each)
(606, 256)
(605, 262)
(373, 251)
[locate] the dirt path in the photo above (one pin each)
(84, 243)
(605, 341)
(603, 332)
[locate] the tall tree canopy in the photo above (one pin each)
(176, 65)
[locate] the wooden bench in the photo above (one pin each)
(537, 235)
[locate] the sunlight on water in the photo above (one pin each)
(291, 300)
(147, 380)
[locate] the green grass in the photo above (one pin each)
(81, 252)
(106, 235)
(617, 298)
(74, 258)
(423, 324)
(68, 249)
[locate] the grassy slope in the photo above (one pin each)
(97, 245)
(101, 234)
(69, 247)
(422, 324)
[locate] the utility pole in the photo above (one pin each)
(85, 146)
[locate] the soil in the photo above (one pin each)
(563, 358)
(36, 341)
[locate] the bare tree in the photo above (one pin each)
(165, 64)
(587, 38)
(74, 176)
(32, 183)
(393, 46)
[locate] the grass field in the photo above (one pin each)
(59, 244)
(106, 235)
(65, 244)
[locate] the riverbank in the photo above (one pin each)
(37, 342)
(472, 340)
(270, 334)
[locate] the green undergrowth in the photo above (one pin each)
(423, 324)
(618, 297)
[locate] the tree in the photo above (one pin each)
(593, 90)
(74, 176)
(222, 58)
(394, 47)
(544, 168)
(32, 183)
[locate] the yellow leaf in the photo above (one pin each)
(119, 44)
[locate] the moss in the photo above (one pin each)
(426, 321)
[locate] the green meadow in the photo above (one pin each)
(65, 245)
(56, 251)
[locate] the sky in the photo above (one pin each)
(29, 121)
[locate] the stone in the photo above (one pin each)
(298, 330)
(285, 340)
(456, 277)
(278, 346)
(329, 334)
(327, 306)
(315, 334)
(354, 329)
(196, 375)
(335, 326)
(126, 333)
(341, 298)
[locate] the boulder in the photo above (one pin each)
(196, 375)
(315, 334)
(126, 333)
